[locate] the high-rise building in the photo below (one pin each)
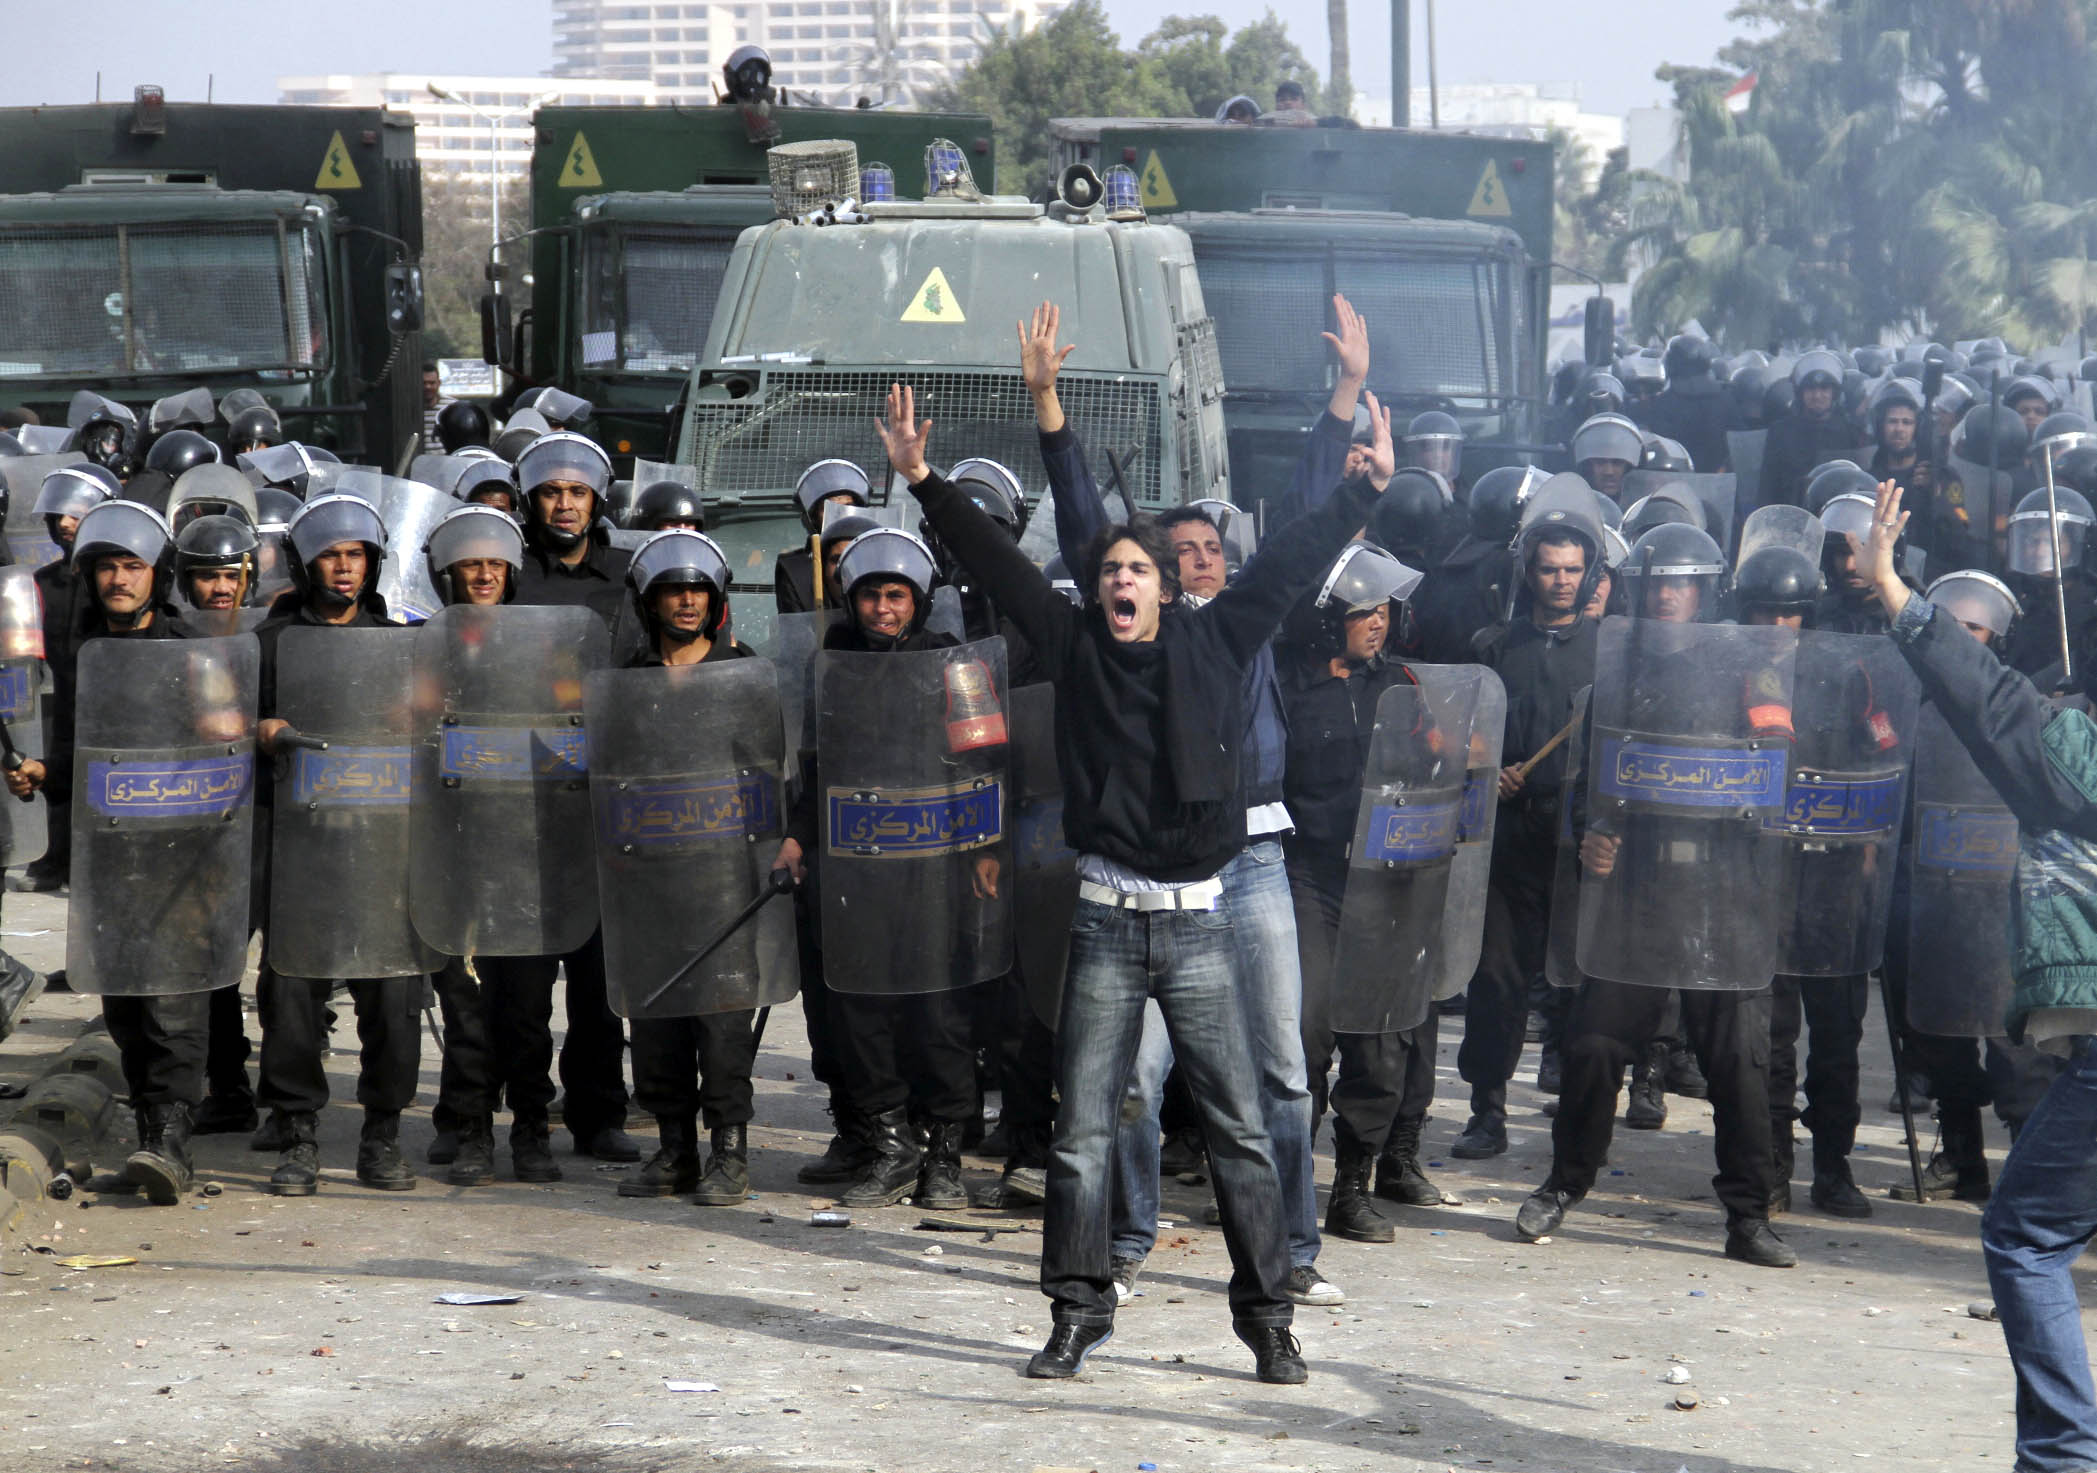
(477, 119)
(837, 50)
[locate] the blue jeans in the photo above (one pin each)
(1120, 959)
(1256, 888)
(2043, 1210)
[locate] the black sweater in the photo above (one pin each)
(1147, 734)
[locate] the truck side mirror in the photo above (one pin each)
(404, 297)
(495, 327)
(1598, 335)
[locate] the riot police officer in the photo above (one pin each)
(337, 543)
(1607, 448)
(1815, 429)
(793, 576)
(1434, 441)
(1468, 591)
(662, 505)
(686, 1067)
(1694, 409)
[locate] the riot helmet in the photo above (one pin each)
(1238, 109)
(562, 458)
(2031, 398)
(1778, 579)
(1817, 369)
(1434, 441)
(210, 489)
(461, 423)
(1838, 478)
(126, 529)
(1612, 515)
(1978, 600)
(2060, 434)
(1602, 392)
(10, 447)
(1872, 361)
(1669, 504)
(1687, 357)
(1407, 518)
(995, 490)
(1846, 522)
(255, 428)
(2031, 546)
(73, 491)
(1674, 573)
(485, 480)
(888, 555)
(1361, 580)
(1746, 388)
(823, 480)
(2000, 427)
(1235, 527)
(285, 466)
(211, 544)
(473, 534)
(328, 521)
(1605, 449)
(1778, 395)
(1642, 376)
(660, 504)
(559, 408)
(1895, 393)
(748, 74)
(519, 433)
(680, 557)
(1498, 499)
(1564, 507)
(274, 508)
(1663, 454)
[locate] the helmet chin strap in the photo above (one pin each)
(675, 635)
(328, 598)
(562, 541)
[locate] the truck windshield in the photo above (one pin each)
(649, 296)
(139, 300)
(1440, 327)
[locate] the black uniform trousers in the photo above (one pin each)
(294, 1014)
(162, 1043)
(1610, 1025)
(593, 1055)
(911, 1049)
(816, 1013)
(226, 1059)
(690, 1066)
(1833, 1008)
(498, 1041)
(1385, 1079)
(1517, 930)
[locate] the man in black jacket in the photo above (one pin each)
(1694, 410)
(1815, 430)
(1148, 719)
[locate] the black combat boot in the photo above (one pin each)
(473, 1159)
(298, 1174)
(161, 1164)
(1834, 1190)
(19, 983)
(226, 1113)
(674, 1167)
(1648, 1107)
(1352, 1212)
(727, 1179)
(531, 1149)
(1398, 1174)
(1753, 1240)
(380, 1164)
(891, 1172)
(847, 1154)
(1550, 1068)
(1959, 1166)
(1684, 1078)
(274, 1134)
(1785, 1159)
(1486, 1134)
(939, 1184)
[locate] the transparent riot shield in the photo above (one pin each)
(1688, 758)
(946, 616)
(21, 679)
(341, 821)
(1965, 864)
(29, 535)
(795, 640)
(916, 890)
(1561, 952)
(1470, 873)
(411, 511)
(1744, 451)
(1989, 501)
(1387, 958)
(1045, 888)
(440, 471)
(163, 814)
(1780, 525)
(1854, 712)
(687, 784)
(1714, 492)
(500, 856)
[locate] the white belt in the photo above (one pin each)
(1203, 896)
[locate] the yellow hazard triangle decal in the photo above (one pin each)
(579, 170)
(934, 301)
(1490, 197)
(1157, 189)
(336, 170)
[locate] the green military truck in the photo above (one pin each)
(634, 211)
(815, 322)
(151, 246)
(1441, 240)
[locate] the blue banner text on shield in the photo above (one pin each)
(1840, 807)
(1479, 790)
(1411, 835)
(1672, 776)
(672, 810)
(916, 823)
(513, 753)
(354, 777)
(1972, 839)
(17, 690)
(1039, 839)
(195, 787)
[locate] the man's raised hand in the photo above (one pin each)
(1040, 360)
(1383, 454)
(902, 436)
(1351, 343)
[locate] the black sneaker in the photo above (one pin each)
(1275, 1353)
(1542, 1213)
(1753, 1240)
(1835, 1192)
(1064, 1355)
(1312, 1289)
(1125, 1272)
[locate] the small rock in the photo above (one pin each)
(1676, 1376)
(1872, 1311)
(935, 1251)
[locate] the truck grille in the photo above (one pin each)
(758, 446)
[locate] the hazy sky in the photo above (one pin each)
(1610, 52)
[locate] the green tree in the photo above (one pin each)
(455, 257)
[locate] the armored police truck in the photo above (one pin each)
(634, 211)
(822, 310)
(1441, 240)
(151, 246)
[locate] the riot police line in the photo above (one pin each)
(487, 755)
